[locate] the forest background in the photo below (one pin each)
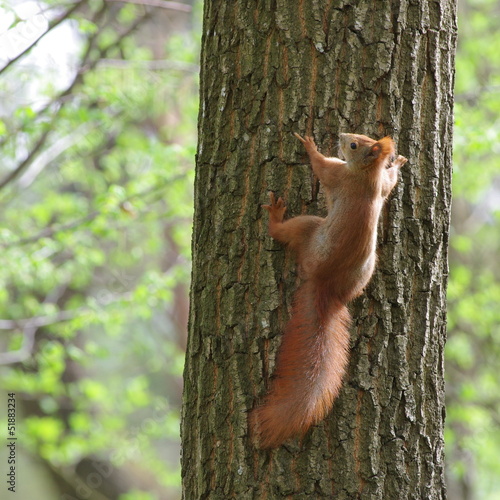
(98, 111)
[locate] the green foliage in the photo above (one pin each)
(95, 238)
(473, 348)
(138, 495)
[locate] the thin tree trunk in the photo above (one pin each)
(320, 68)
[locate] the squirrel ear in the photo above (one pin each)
(375, 150)
(384, 147)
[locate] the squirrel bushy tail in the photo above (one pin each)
(310, 366)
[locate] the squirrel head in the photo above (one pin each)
(362, 153)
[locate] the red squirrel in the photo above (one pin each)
(336, 258)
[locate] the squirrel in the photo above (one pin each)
(336, 257)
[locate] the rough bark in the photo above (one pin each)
(270, 68)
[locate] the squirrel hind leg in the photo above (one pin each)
(295, 232)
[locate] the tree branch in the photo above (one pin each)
(181, 7)
(52, 25)
(11, 357)
(38, 321)
(86, 66)
(31, 325)
(50, 231)
(153, 65)
(50, 154)
(27, 161)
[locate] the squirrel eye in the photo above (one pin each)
(353, 145)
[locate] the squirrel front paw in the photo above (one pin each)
(399, 161)
(308, 142)
(276, 209)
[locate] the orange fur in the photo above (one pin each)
(336, 258)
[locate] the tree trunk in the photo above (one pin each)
(320, 68)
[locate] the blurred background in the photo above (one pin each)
(98, 110)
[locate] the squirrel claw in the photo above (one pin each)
(308, 142)
(397, 162)
(276, 208)
(299, 137)
(400, 161)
